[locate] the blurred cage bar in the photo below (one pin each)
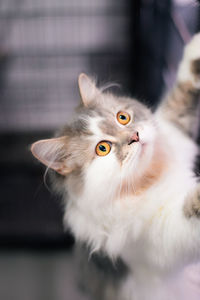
(44, 45)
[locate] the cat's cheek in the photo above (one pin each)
(98, 176)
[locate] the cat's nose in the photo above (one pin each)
(134, 138)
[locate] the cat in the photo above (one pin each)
(125, 173)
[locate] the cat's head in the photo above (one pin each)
(106, 152)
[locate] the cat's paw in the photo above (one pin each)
(189, 69)
(192, 204)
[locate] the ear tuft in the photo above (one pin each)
(51, 152)
(88, 89)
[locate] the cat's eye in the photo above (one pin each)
(103, 148)
(123, 117)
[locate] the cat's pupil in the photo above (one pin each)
(102, 148)
(122, 117)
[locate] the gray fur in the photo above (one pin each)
(195, 67)
(181, 104)
(192, 204)
(180, 107)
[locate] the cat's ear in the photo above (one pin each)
(88, 89)
(51, 152)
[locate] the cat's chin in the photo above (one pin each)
(141, 170)
(141, 156)
(145, 157)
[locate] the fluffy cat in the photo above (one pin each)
(126, 176)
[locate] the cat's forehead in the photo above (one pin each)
(101, 116)
(109, 105)
(108, 109)
(102, 120)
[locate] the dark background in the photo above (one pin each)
(44, 46)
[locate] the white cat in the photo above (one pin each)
(126, 175)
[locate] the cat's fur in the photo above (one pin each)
(141, 201)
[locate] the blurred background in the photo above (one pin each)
(44, 45)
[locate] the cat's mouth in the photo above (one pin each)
(135, 150)
(133, 153)
(136, 139)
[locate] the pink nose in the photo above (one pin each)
(134, 138)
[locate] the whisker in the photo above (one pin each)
(45, 179)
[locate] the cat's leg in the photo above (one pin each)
(192, 204)
(180, 105)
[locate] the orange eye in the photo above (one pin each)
(123, 117)
(103, 148)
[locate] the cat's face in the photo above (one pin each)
(119, 145)
(106, 149)
(107, 154)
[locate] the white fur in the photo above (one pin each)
(149, 230)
